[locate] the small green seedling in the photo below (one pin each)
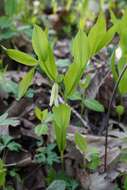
(94, 158)
(120, 110)
(47, 155)
(91, 154)
(44, 117)
(7, 142)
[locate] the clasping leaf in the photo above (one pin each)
(44, 52)
(61, 117)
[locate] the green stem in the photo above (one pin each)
(82, 104)
(62, 159)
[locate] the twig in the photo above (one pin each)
(23, 162)
(108, 115)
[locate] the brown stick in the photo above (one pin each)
(108, 115)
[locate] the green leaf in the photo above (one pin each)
(125, 183)
(5, 22)
(106, 39)
(7, 34)
(8, 142)
(10, 7)
(46, 115)
(38, 113)
(120, 110)
(75, 96)
(122, 23)
(6, 139)
(95, 160)
(123, 41)
(96, 34)
(13, 146)
(57, 185)
(94, 105)
(49, 65)
(72, 78)
(40, 43)
(119, 25)
(85, 82)
(21, 57)
(41, 129)
(123, 83)
(61, 117)
(80, 142)
(44, 52)
(80, 49)
(25, 83)
(8, 121)
(2, 173)
(41, 115)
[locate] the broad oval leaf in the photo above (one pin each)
(61, 117)
(94, 105)
(25, 83)
(38, 113)
(120, 110)
(49, 66)
(80, 142)
(72, 78)
(41, 129)
(21, 57)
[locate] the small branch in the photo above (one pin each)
(108, 115)
(23, 162)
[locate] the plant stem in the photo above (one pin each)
(82, 104)
(108, 115)
(62, 159)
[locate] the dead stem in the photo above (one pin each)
(108, 115)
